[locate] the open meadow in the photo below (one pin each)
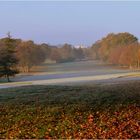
(75, 100)
(72, 69)
(73, 73)
(54, 112)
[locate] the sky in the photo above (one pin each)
(74, 22)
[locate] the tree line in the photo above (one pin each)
(17, 55)
(118, 49)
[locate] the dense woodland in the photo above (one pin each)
(119, 49)
(17, 55)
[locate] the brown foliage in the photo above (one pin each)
(29, 54)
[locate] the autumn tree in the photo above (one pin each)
(66, 52)
(138, 57)
(55, 55)
(115, 54)
(46, 49)
(78, 53)
(112, 41)
(94, 50)
(128, 56)
(29, 55)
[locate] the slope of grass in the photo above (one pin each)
(96, 111)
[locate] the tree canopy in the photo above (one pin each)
(121, 48)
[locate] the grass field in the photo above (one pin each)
(75, 67)
(95, 111)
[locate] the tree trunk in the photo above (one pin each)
(130, 66)
(8, 79)
(28, 69)
(138, 64)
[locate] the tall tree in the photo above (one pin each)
(55, 55)
(112, 41)
(8, 60)
(128, 56)
(66, 53)
(115, 54)
(94, 50)
(29, 55)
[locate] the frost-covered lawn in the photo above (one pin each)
(95, 111)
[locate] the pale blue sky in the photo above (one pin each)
(71, 22)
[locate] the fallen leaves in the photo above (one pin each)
(68, 113)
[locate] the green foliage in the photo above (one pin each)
(8, 60)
